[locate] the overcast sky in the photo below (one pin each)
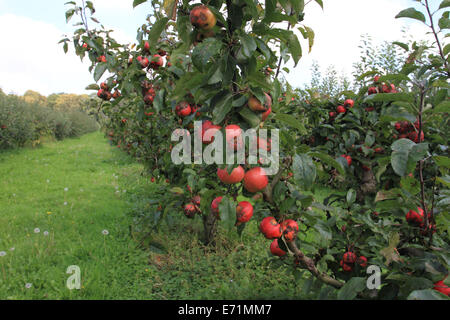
(30, 57)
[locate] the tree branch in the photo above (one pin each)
(441, 52)
(309, 264)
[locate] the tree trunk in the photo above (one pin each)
(368, 185)
(210, 228)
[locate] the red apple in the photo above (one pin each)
(270, 228)
(275, 249)
(236, 175)
(255, 180)
(244, 211)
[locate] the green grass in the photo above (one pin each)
(32, 195)
(101, 182)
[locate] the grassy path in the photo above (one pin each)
(55, 204)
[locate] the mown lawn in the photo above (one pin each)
(67, 203)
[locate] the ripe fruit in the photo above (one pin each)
(349, 103)
(215, 205)
(116, 94)
(162, 52)
(362, 261)
(244, 211)
(196, 200)
(385, 88)
(393, 89)
(345, 267)
(208, 126)
(148, 99)
(236, 175)
(348, 158)
(183, 109)
(146, 46)
(104, 86)
(378, 150)
(289, 229)
(414, 217)
(157, 61)
(373, 90)
(414, 136)
(190, 210)
(376, 79)
(332, 114)
(255, 180)
(349, 257)
(266, 114)
(256, 105)
(270, 228)
(104, 95)
(143, 61)
(341, 109)
(263, 144)
(201, 17)
(275, 249)
(101, 59)
(442, 287)
(234, 136)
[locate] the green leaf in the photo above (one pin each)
(320, 3)
(93, 86)
(227, 209)
(324, 230)
(444, 4)
(390, 252)
(294, 48)
(292, 121)
(442, 161)
(446, 49)
(444, 22)
(189, 81)
(304, 170)
(156, 31)
(390, 97)
(443, 107)
(351, 288)
(410, 184)
(252, 118)
(411, 13)
(351, 197)
(138, 2)
(99, 71)
(329, 161)
(309, 34)
(400, 155)
(427, 294)
(248, 44)
(204, 51)
(69, 14)
(221, 104)
(401, 44)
